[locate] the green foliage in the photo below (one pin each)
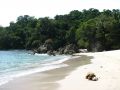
(97, 32)
(89, 29)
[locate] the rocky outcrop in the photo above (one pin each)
(70, 49)
(51, 53)
(47, 47)
(83, 50)
(42, 49)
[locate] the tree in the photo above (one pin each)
(89, 29)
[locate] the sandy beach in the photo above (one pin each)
(106, 66)
(46, 80)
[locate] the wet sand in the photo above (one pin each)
(47, 80)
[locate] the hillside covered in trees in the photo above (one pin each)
(90, 29)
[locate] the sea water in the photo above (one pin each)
(17, 63)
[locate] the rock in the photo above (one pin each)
(70, 49)
(50, 53)
(61, 51)
(91, 76)
(35, 51)
(55, 53)
(94, 79)
(83, 50)
(47, 47)
(42, 49)
(49, 44)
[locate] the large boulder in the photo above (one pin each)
(49, 44)
(83, 50)
(47, 47)
(51, 53)
(42, 49)
(70, 49)
(61, 51)
(67, 51)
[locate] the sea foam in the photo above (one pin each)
(30, 66)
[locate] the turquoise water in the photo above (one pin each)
(18, 63)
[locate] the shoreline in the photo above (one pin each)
(106, 66)
(46, 66)
(47, 78)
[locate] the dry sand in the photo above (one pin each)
(106, 65)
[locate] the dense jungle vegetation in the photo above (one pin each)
(91, 29)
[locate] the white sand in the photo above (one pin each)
(106, 65)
